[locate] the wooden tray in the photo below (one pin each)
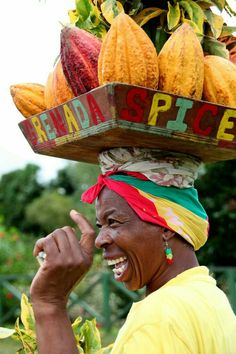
(120, 115)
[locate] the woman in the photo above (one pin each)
(151, 223)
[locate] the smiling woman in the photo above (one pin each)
(150, 224)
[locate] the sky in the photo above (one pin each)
(30, 42)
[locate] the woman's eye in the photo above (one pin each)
(112, 222)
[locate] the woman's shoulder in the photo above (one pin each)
(185, 292)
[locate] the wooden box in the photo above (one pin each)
(120, 115)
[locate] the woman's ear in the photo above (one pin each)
(167, 234)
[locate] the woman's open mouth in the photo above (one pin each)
(120, 265)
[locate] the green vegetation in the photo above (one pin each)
(30, 209)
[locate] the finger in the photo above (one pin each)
(73, 240)
(61, 239)
(38, 247)
(88, 233)
(48, 245)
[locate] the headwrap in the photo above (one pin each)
(163, 194)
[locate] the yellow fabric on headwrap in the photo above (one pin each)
(190, 226)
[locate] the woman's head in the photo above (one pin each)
(136, 245)
(160, 200)
(172, 208)
(136, 248)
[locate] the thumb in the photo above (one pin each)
(88, 234)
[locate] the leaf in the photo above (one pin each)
(213, 47)
(192, 24)
(173, 15)
(147, 14)
(83, 8)
(73, 16)
(187, 8)
(227, 31)
(220, 4)
(110, 9)
(106, 350)
(75, 328)
(6, 332)
(205, 4)
(27, 315)
(136, 5)
(198, 15)
(160, 39)
(215, 21)
(92, 340)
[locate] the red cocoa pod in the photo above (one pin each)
(79, 58)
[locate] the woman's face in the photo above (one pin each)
(134, 248)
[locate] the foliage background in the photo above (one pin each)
(30, 208)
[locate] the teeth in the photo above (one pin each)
(115, 261)
(119, 270)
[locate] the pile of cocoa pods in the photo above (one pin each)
(128, 55)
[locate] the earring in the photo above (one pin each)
(168, 253)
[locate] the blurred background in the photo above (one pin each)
(37, 192)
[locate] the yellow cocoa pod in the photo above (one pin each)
(181, 64)
(219, 81)
(127, 55)
(28, 98)
(57, 90)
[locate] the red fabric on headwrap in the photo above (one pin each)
(143, 207)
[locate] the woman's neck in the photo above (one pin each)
(184, 259)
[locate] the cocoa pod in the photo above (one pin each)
(79, 58)
(28, 98)
(128, 55)
(181, 64)
(57, 90)
(219, 81)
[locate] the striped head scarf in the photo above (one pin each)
(158, 186)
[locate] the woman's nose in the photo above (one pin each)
(103, 239)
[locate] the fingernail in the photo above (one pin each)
(75, 212)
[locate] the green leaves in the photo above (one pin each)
(212, 46)
(88, 17)
(27, 315)
(187, 8)
(6, 332)
(87, 335)
(147, 14)
(219, 3)
(216, 23)
(198, 15)
(173, 15)
(83, 9)
(110, 9)
(90, 337)
(228, 30)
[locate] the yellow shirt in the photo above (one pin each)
(189, 314)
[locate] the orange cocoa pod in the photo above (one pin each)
(57, 90)
(128, 55)
(62, 90)
(219, 81)
(181, 64)
(49, 96)
(28, 98)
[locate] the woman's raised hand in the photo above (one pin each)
(67, 260)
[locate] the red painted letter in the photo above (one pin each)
(59, 125)
(135, 112)
(96, 113)
(196, 124)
